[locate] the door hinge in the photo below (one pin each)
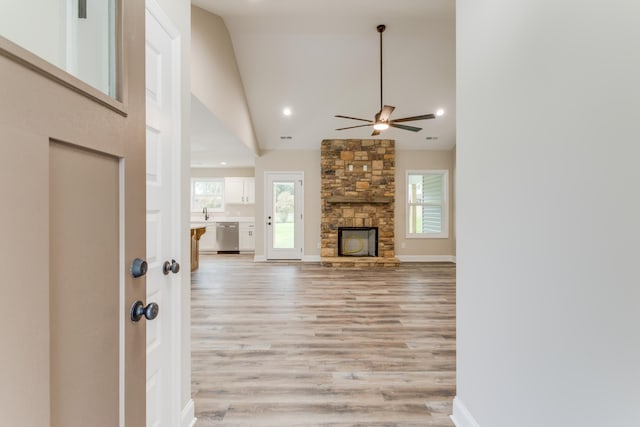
(82, 9)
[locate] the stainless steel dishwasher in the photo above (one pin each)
(227, 237)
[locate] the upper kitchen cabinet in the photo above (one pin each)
(240, 191)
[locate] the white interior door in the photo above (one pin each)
(284, 214)
(163, 216)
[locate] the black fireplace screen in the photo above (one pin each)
(357, 241)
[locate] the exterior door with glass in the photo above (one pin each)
(284, 215)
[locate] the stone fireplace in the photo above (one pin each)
(358, 194)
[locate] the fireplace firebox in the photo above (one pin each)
(358, 241)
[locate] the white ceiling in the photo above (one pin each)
(321, 58)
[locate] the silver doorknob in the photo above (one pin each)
(138, 267)
(170, 267)
(138, 310)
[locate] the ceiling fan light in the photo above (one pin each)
(381, 126)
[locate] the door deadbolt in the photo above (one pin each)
(138, 310)
(170, 267)
(138, 267)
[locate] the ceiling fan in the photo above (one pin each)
(382, 119)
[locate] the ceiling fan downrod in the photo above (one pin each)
(381, 29)
(382, 119)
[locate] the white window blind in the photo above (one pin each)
(427, 209)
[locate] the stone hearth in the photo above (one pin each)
(358, 190)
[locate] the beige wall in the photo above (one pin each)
(309, 163)
(230, 210)
(215, 77)
(421, 160)
(222, 172)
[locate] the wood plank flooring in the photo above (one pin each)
(297, 344)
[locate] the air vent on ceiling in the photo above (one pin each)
(286, 137)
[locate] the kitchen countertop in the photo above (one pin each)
(199, 221)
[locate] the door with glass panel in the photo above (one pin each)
(284, 215)
(72, 164)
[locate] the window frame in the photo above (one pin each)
(207, 179)
(444, 203)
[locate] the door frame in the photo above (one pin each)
(267, 204)
(175, 356)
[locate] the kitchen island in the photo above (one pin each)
(196, 233)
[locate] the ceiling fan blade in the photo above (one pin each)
(405, 127)
(385, 113)
(352, 118)
(410, 119)
(359, 126)
(375, 132)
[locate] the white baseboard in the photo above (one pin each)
(461, 416)
(259, 258)
(188, 418)
(426, 258)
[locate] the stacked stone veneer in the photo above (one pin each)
(361, 197)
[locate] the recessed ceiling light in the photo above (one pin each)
(223, 163)
(286, 111)
(440, 112)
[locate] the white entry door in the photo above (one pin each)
(163, 217)
(284, 214)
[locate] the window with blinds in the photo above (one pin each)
(427, 204)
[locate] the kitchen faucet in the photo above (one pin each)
(206, 213)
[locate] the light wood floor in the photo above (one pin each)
(293, 344)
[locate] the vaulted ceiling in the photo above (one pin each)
(321, 58)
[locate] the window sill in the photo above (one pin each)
(427, 236)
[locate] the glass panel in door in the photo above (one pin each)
(78, 36)
(283, 215)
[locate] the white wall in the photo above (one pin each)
(548, 213)
(90, 43)
(38, 26)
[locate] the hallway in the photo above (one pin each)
(292, 344)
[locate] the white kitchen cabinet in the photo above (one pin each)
(240, 191)
(208, 240)
(247, 236)
(249, 191)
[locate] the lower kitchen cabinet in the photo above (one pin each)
(247, 238)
